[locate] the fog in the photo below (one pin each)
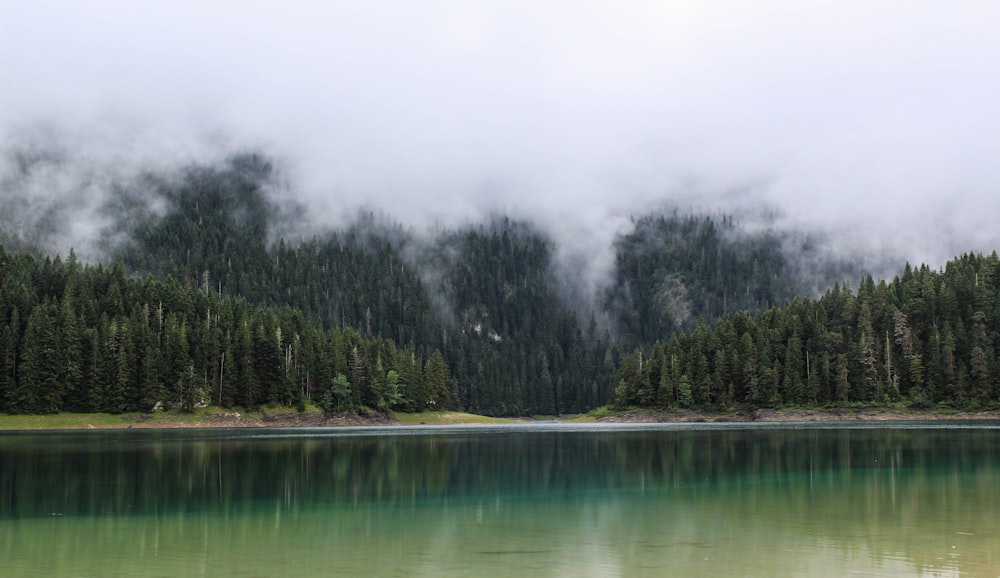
(874, 124)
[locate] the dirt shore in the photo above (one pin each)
(796, 415)
(286, 419)
(265, 419)
(282, 418)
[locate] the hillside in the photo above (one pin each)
(482, 299)
(926, 337)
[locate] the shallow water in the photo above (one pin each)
(531, 500)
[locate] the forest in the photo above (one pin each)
(208, 294)
(91, 339)
(926, 337)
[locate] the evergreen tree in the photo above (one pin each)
(39, 387)
(436, 382)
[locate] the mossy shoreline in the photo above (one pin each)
(285, 417)
(217, 418)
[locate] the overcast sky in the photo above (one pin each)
(879, 120)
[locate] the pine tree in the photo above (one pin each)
(437, 382)
(39, 388)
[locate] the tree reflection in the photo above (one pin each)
(854, 490)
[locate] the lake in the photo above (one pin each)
(903, 499)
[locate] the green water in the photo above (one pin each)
(534, 500)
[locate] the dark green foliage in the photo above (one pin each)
(205, 303)
(38, 388)
(675, 269)
(95, 340)
(483, 297)
(513, 346)
(928, 337)
(337, 396)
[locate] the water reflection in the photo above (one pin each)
(536, 502)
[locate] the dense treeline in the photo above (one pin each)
(484, 296)
(674, 269)
(83, 338)
(481, 300)
(481, 296)
(519, 348)
(926, 337)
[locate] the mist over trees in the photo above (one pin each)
(926, 337)
(215, 294)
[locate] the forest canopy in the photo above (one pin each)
(926, 337)
(202, 301)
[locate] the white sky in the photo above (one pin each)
(877, 119)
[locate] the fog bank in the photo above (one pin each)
(873, 124)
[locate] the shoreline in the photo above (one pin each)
(769, 415)
(283, 418)
(232, 419)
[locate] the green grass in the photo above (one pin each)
(204, 417)
(65, 421)
(104, 420)
(97, 420)
(446, 418)
(592, 415)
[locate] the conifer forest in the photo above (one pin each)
(217, 299)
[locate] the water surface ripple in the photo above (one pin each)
(536, 499)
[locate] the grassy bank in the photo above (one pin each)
(313, 417)
(215, 417)
(446, 418)
(97, 420)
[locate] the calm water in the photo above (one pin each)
(537, 500)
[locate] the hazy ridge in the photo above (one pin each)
(501, 299)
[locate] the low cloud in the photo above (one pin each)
(872, 124)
